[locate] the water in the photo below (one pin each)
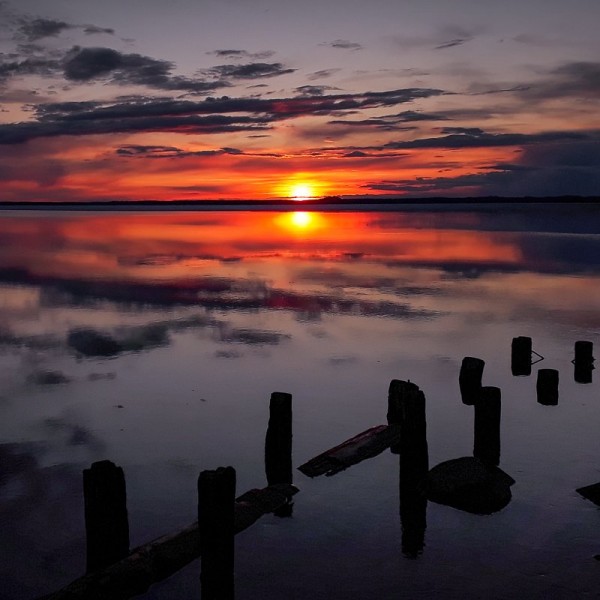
(210, 312)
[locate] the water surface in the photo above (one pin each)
(208, 313)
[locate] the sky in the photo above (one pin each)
(210, 99)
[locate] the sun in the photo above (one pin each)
(302, 191)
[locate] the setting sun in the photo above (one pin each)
(302, 191)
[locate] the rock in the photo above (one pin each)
(48, 378)
(468, 484)
(591, 492)
(91, 343)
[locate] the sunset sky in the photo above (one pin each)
(208, 99)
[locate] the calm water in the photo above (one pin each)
(210, 312)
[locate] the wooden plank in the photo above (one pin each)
(365, 445)
(164, 556)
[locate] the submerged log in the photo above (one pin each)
(164, 556)
(365, 445)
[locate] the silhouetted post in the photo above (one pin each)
(106, 524)
(216, 499)
(278, 441)
(406, 406)
(278, 445)
(547, 387)
(486, 442)
(520, 357)
(469, 380)
(584, 361)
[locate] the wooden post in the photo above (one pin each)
(278, 441)
(216, 499)
(278, 445)
(414, 467)
(584, 361)
(406, 407)
(469, 380)
(547, 387)
(486, 443)
(106, 523)
(520, 358)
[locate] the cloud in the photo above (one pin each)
(322, 74)
(36, 29)
(86, 64)
(544, 169)
(93, 30)
(140, 151)
(314, 90)
(212, 115)
(343, 44)
(256, 70)
(572, 79)
(242, 54)
(444, 38)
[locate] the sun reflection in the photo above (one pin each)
(301, 219)
(301, 222)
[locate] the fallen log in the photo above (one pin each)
(591, 492)
(365, 445)
(164, 556)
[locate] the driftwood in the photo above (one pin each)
(164, 556)
(365, 445)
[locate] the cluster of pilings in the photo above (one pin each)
(522, 359)
(114, 572)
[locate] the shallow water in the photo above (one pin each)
(208, 313)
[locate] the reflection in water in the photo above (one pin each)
(153, 340)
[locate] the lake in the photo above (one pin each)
(204, 314)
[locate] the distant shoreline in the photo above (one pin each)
(329, 203)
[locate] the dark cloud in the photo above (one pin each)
(48, 378)
(242, 54)
(252, 337)
(573, 79)
(544, 169)
(93, 30)
(343, 44)
(314, 90)
(36, 29)
(212, 115)
(453, 43)
(256, 70)
(139, 151)
(323, 74)
(444, 38)
(86, 64)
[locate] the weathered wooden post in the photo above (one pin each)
(469, 380)
(278, 445)
(584, 361)
(278, 441)
(106, 523)
(520, 356)
(216, 500)
(406, 407)
(547, 387)
(486, 442)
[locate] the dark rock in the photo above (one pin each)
(591, 492)
(470, 485)
(91, 343)
(48, 378)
